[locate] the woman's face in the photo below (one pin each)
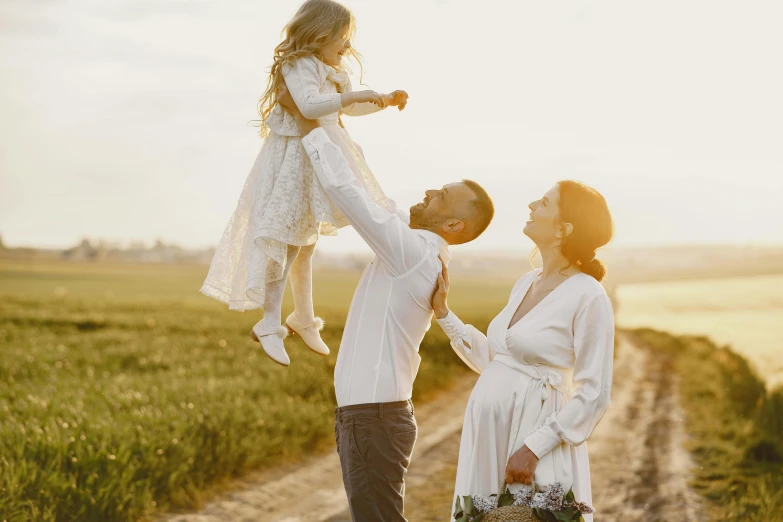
(544, 226)
(333, 53)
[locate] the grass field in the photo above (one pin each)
(736, 429)
(126, 392)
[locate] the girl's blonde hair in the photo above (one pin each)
(315, 25)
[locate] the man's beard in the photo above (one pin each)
(424, 219)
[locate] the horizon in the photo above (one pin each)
(123, 244)
(127, 121)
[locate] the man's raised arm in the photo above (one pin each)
(390, 238)
(385, 232)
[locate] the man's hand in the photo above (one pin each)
(397, 99)
(439, 305)
(287, 102)
(521, 467)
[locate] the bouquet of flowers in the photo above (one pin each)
(550, 505)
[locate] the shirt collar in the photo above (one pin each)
(438, 242)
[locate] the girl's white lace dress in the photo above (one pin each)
(282, 202)
(545, 383)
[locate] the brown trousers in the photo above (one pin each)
(375, 443)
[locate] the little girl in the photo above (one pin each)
(283, 209)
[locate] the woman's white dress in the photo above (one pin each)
(544, 383)
(282, 202)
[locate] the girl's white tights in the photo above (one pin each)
(302, 285)
(273, 300)
(299, 268)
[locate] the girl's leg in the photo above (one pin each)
(268, 331)
(303, 321)
(273, 300)
(302, 285)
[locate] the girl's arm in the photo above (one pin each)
(304, 84)
(396, 99)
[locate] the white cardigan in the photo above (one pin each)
(314, 87)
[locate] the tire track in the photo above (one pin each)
(640, 469)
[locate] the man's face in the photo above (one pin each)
(440, 205)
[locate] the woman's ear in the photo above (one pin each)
(564, 230)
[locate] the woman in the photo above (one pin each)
(546, 362)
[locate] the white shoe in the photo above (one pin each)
(309, 333)
(272, 342)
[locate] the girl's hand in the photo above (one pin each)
(349, 98)
(521, 466)
(397, 99)
(439, 304)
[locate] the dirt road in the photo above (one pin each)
(639, 467)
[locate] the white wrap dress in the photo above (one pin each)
(545, 383)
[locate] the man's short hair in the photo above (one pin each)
(483, 210)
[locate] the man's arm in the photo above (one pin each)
(388, 236)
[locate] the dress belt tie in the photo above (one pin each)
(546, 379)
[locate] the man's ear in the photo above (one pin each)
(453, 226)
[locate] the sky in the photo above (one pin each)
(127, 120)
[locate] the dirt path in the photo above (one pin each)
(639, 466)
(267, 496)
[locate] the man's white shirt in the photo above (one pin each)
(391, 309)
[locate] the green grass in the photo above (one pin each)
(125, 392)
(736, 429)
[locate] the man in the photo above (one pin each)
(379, 354)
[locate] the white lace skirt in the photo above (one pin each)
(282, 203)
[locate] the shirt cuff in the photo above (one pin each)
(315, 140)
(543, 440)
(452, 326)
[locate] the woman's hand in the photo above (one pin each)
(349, 98)
(439, 305)
(521, 467)
(397, 99)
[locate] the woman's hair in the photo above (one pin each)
(585, 208)
(315, 25)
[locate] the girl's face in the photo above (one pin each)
(333, 53)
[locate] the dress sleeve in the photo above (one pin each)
(471, 345)
(304, 84)
(594, 352)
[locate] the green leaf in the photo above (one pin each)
(544, 515)
(569, 497)
(469, 505)
(478, 518)
(506, 499)
(566, 515)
